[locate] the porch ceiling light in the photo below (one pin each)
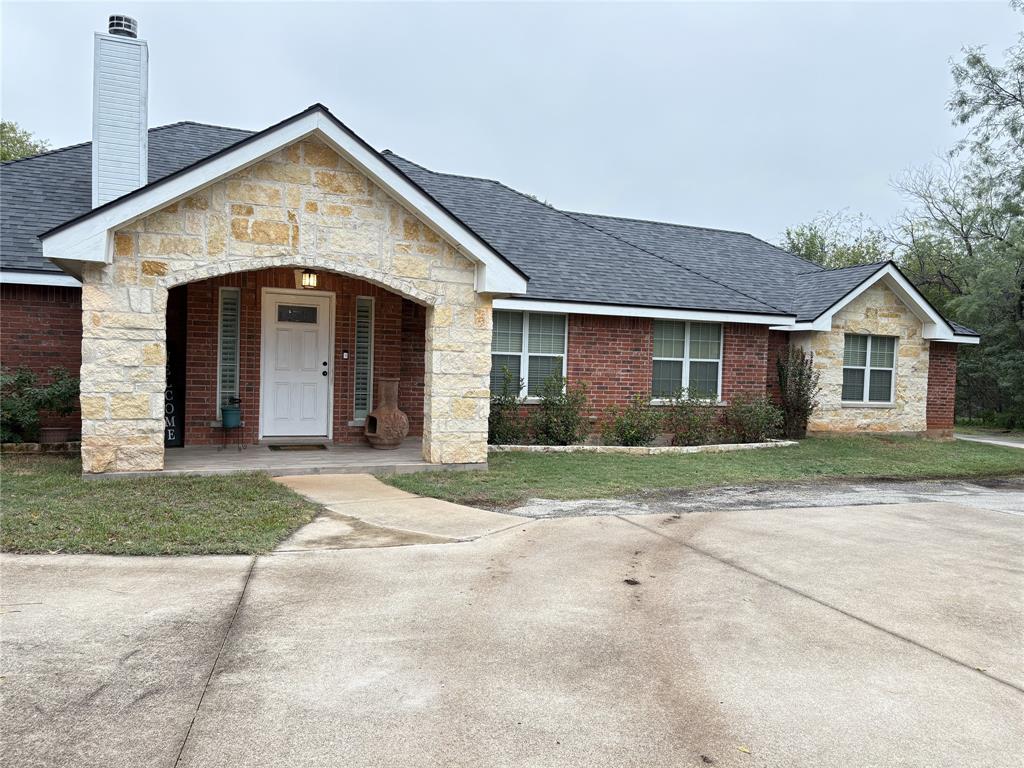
(309, 278)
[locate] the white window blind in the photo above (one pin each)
(531, 346)
(687, 358)
(229, 322)
(869, 366)
(364, 357)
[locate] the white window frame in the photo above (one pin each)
(525, 354)
(358, 421)
(238, 343)
(864, 402)
(686, 360)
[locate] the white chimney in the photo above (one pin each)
(120, 141)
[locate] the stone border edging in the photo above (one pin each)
(72, 447)
(640, 450)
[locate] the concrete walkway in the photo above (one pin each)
(1006, 442)
(361, 511)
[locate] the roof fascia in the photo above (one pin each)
(15, 277)
(934, 326)
(627, 310)
(89, 239)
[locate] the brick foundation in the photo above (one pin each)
(941, 389)
(40, 329)
(399, 343)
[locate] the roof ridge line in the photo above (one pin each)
(148, 130)
(655, 221)
(5, 163)
(695, 226)
(673, 263)
(828, 270)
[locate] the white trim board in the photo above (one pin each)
(934, 326)
(91, 238)
(38, 278)
(624, 310)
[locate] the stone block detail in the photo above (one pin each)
(877, 311)
(304, 206)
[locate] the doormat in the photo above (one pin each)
(298, 447)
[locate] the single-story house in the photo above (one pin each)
(180, 267)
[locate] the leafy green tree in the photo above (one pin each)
(836, 240)
(989, 100)
(16, 143)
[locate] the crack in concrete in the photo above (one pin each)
(216, 660)
(822, 603)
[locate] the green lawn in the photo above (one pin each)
(47, 507)
(514, 477)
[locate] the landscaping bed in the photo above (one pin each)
(514, 477)
(48, 507)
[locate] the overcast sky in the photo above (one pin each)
(739, 116)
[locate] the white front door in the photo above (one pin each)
(297, 361)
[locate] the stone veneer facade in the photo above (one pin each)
(877, 311)
(304, 206)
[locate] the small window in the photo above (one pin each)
(687, 358)
(531, 346)
(869, 364)
(290, 313)
(363, 358)
(228, 324)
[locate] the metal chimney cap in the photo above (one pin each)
(123, 26)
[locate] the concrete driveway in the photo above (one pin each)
(873, 635)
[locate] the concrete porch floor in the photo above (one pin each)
(336, 459)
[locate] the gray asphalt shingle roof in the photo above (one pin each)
(568, 256)
(568, 259)
(40, 192)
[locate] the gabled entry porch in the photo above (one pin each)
(301, 363)
(280, 201)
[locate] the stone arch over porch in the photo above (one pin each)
(304, 207)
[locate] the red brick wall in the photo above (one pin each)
(40, 329)
(744, 360)
(612, 355)
(778, 343)
(941, 388)
(414, 341)
(399, 339)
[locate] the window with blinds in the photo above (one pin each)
(869, 367)
(528, 345)
(228, 325)
(364, 357)
(687, 359)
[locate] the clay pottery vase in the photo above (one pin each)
(386, 425)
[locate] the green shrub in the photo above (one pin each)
(22, 399)
(691, 420)
(636, 424)
(798, 383)
(750, 420)
(559, 419)
(505, 424)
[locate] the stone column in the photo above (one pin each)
(123, 368)
(456, 382)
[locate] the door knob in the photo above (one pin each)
(323, 373)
